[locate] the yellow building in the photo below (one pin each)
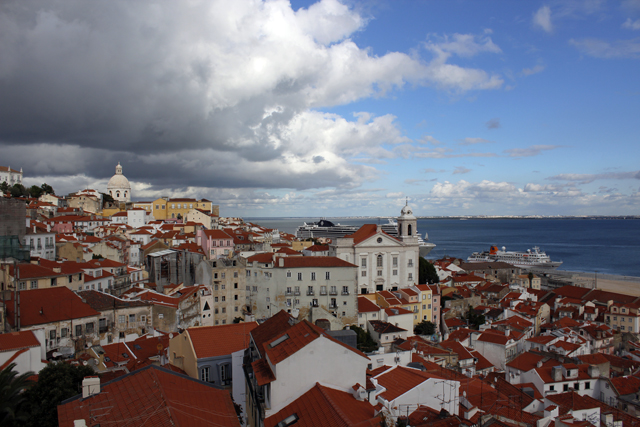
(165, 208)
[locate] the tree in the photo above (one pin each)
(366, 342)
(474, 318)
(107, 199)
(56, 382)
(530, 276)
(13, 402)
(35, 191)
(424, 328)
(427, 272)
(18, 190)
(238, 320)
(4, 187)
(47, 189)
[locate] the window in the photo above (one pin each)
(429, 306)
(223, 298)
(132, 318)
(576, 386)
(70, 278)
(224, 309)
(410, 263)
(395, 272)
(395, 261)
(222, 286)
(22, 286)
(565, 387)
(235, 274)
(34, 284)
(379, 273)
(178, 205)
(299, 276)
(222, 276)
(327, 275)
(363, 262)
(248, 273)
(424, 306)
(225, 372)
(410, 276)
(215, 299)
(313, 275)
(78, 330)
(363, 273)
(89, 328)
(333, 290)
(64, 332)
(379, 261)
(552, 388)
(160, 316)
(52, 335)
(204, 374)
(235, 297)
(587, 385)
(121, 318)
(345, 290)
(288, 274)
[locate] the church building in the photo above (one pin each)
(384, 262)
(119, 187)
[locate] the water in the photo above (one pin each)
(608, 246)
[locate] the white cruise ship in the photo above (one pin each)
(531, 258)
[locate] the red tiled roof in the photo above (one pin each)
(323, 406)
(626, 385)
(16, 340)
(40, 306)
(212, 341)
(399, 380)
(263, 372)
(216, 234)
(366, 231)
(365, 305)
(157, 396)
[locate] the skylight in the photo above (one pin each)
(279, 340)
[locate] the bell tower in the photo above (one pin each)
(407, 226)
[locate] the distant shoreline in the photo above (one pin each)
(459, 217)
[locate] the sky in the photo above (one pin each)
(330, 108)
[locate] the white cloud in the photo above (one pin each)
(534, 150)
(464, 45)
(586, 178)
(603, 49)
(542, 19)
(473, 141)
(631, 25)
(461, 170)
(535, 70)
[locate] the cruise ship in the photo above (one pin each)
(531, 258)
(327, 229)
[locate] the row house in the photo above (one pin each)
(207, 219)
(29, 276)
(41, 241)
(499, 347)
(76, 223)
(623, 317)
(215, 243)
(120, 320)
(226, 281)
(67, 323)
(165, 208)
(180, 310)
(367, 310)
(302, 286)
(134, 218)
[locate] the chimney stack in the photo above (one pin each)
(90, 386)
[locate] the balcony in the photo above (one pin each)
(345, 292)
(288, 293)
(323, 292)
(333, 306)
(311, 293)
(333, 292)
(296, 293)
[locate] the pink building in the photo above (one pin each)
(215, 243)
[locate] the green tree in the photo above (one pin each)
(13, 402)
(56, 382)
(424, 328)
(18, 190)
(238, 320)
(35, 191)
(474, 318)
(107, 199)
(96, 256)
(427, 272)
(366, 342)
(47, 189)
(4, 187)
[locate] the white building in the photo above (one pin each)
(119, 187)
(384, 262)
(10, 176)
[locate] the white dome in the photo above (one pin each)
(406, 211)
(119, 187)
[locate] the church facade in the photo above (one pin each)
(119, 187)
(384, 262)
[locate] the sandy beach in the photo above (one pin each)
(621, 284)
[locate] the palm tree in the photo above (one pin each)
(12, 408)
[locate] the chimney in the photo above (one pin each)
(506, 331)
(90, 386)
(594, 371)
(280, 262)
(556, 373)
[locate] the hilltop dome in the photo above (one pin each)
(119, 187)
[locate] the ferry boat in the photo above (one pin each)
(531, 258)
(327, 229)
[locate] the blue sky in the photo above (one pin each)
(331, 109)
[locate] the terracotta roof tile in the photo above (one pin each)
(40, 306)
(212, 341)
(365, 305)
(323, 406)
(399, 380)
(16, 340)
(157, 396)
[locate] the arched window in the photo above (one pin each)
(379, 261)
(409, 230)
(117, 194)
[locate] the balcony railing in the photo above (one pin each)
(333, 292)
(288, 293)
(310, 293)
(296, 293)
(345, 292)
(323, 292)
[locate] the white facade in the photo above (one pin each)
(384, 262)
(43, 244)
(10, 176)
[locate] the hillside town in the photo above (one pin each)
(186, 317)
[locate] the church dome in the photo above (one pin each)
(119, 187)
(407, 211)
